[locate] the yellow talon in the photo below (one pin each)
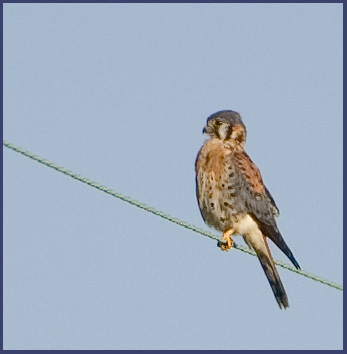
(229, 242)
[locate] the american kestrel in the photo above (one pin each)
(233, 198)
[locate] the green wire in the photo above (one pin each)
(160, 213)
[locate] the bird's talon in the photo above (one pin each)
(224, 246)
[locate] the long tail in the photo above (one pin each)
(272, 232)
(272, 275)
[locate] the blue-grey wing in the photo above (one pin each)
(253, 198)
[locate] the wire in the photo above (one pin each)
(160, 213)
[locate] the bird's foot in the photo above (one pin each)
(225, 246)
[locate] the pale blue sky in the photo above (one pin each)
(119, 93)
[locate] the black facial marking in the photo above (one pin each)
(240, 138)
(230, 130)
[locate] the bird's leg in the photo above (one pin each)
(229, 242)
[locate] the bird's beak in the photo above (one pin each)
(204, 130)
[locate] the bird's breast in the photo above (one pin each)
(213, 171)
(213, 157)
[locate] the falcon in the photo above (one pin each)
(233, 198)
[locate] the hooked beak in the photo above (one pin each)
(204, 130)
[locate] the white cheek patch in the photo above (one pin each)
(222, 131)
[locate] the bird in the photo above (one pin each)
(233, 199)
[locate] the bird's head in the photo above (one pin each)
(226, 125)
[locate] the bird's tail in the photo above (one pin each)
(272, 275)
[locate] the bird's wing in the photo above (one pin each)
(256, 200)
